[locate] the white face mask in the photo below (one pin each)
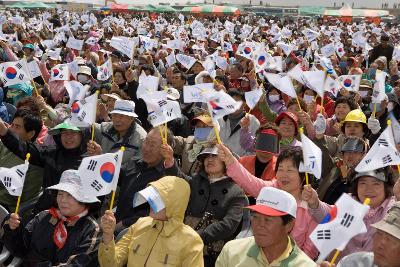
(390, 106)
(82, 78)
(273, 98)
(308, 99)
(363, 93)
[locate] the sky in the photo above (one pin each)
(328, 3)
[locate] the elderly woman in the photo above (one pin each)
(289, 179)
(377, 185)
(287, 123)
(215, 206)
(65, 235)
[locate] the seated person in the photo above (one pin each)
(272, 220)
(161, 239)
(27, 127)
(64, 235)
(216, 205)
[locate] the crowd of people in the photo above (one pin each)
(226, 192)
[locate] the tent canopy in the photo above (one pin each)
(347, 11)
(29, 5)
(212, 9)
(159, 9)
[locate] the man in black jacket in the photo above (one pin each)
(383, 49)
(158, 161)
(68, 153)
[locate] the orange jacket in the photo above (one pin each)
(249, 162)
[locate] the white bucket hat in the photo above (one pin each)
(124, 107)
(71, 183)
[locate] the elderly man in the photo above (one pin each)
(272, 220)
(157, 161)
(121, 131)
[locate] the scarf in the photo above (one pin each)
(60, 232)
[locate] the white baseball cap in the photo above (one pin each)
(124, 107)
(275, 202)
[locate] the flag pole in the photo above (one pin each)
(217, 134)
(374, 112)
(95, 111)
(366, 202)
(389, 122)
(19, 197)
(301, 131)
(122, 148)
(30, 76)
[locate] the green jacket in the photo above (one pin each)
(245, 252)
(32, 185)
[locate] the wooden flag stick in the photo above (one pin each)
(113, 192)
(298, 104)
(374, 111)
(19, 197)
(92, 132)
(162, 133)
(217, 134)
(30, 76)
(366, 202)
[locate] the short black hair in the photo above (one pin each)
(31, 121)
(238, 66)
(346, 100)
(149, 68)
(286, 219)
(181, 74)
(294, 154)
(236, 92)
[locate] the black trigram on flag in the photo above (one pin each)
(387, 159)
(324, 234)
(20, 173)
(383, 142)
(347, 220)
(230, 106)
(116, 157)
(162, 103)
(21, 76)
(83, 102)
(18, 65)
(312, 162)
(7, 181)
(96, 185)
(82, 116)
(169, 112)
(367, 161)
(92, 165)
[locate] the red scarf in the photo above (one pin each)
(60, 232)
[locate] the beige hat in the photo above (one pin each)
(85, 70)
(391, 222)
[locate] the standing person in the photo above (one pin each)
(64, 235)
(160, 239)
(272, 220)
(383, 49)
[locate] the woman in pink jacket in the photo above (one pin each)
(288, 179)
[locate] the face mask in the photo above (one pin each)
(308, 99)
(83, 79)
(378, 107)
(201, 134)
(390, 106)
(273, 98)
(363, 94)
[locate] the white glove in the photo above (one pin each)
(374, 125)
(320, 124)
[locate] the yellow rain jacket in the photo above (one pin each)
(155, 243)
